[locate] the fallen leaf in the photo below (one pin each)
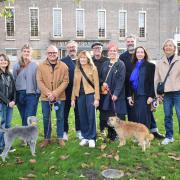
(19, 161)
(172, 154)
(63, 157)
(32, 161)
(86, 153)
(103, 146)
(110, 156)
(52, 167)
(30, 175)
(116, 157)
(56, 172)
(81, 176)
(162, 177)
(84, 165)
(104, 155)
(175, 158)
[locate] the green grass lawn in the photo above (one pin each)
(75, 162)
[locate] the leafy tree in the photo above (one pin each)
(4, 10)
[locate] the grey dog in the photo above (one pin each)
(28, 134)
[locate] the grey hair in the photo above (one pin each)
(169, 40)
(72, 42)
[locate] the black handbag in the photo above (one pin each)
(160, 86)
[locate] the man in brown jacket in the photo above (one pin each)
(52, 79)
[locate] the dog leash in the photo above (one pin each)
(114, 105)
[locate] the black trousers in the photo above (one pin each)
(66, 115)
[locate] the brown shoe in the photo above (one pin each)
(61, 142)
(45, 143)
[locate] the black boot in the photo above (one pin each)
(158, 135)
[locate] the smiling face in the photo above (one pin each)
(26, 54)
(72, 49)
(140, 54)
(4, 63)
(52, 54)
(83, 60)
(113, 53)
(169, 48)
(130, 44)
(97, 51)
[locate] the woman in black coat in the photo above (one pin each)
(112, 79)
(142, 86)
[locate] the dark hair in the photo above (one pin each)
(134, 55)
(6, 59)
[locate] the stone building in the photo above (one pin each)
(44, 22)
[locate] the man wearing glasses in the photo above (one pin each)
(52, 79)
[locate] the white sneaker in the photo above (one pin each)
(167, 141)
(79, 135)
(83, 142)
(12, 149)
(65, 136)
(92, 143)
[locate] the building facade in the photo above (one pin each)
(44, 22)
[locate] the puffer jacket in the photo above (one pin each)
(7, 88)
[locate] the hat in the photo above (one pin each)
(96, 44)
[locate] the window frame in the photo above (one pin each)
(145, 24)
(60, 22)
(123, 11)
(102, 10)
(34, 37)
(10, 37)
(83, 10)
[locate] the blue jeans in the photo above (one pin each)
(5, 119)
(87, 115)
(46, 111)
(171, 99)
(27, 105)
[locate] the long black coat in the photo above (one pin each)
(149, 70)
(116, 85)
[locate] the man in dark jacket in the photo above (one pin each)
(99, 59)
(70, 61)
(127, 57)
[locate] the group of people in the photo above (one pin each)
(115, 85)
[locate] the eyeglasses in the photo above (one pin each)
(52, 53)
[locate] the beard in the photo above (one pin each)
(131, 49)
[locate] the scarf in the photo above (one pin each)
(134, 78)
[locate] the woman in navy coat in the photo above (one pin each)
(142, 86)
(112, 78)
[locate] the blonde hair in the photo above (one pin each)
(87, 54)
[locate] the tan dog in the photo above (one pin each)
(128, 129)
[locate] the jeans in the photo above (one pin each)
(5, 119)
(171, 99)
(87, 115)
(27, 105)
(46, 111)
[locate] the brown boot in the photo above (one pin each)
(45, 143)
(61, 143)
